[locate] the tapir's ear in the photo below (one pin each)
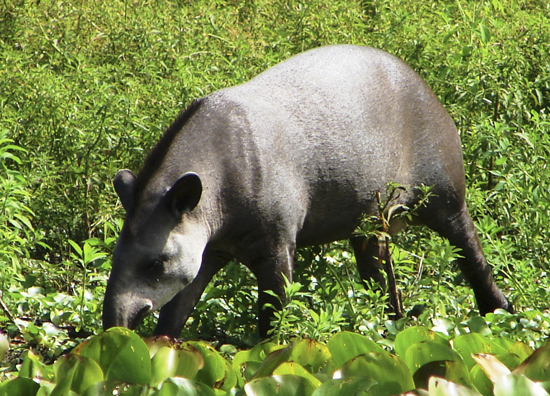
(125, 185)
(185, 194)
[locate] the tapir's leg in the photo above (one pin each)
(366, 256)
(461, 232)
(269, 272)
(175, 313)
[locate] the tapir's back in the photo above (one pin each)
(329, 127)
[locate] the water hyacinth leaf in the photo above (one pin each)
(183, 387)
(391, 373)
(33, 368)
(293, 368)
(515, 384)
(286, 385)
(442, 387)
(272, 361)
(154, 343)
(510, 360)
(248, 362)
(257, 354)
(310, 354)
(76, 373)
(537, 366)
(215, 371)
(480, 381)
(477, 324)
(180, 361)
(19, 387)
(474, 343)
(415, 334)
(109, 388)
(121, 354)
(451, 370)
(425, 352)
(357, 386)
(494, 369)
(346, 345)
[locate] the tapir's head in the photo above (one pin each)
(159, 250)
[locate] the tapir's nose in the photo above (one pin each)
(124, 310)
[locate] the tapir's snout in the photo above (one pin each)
(125, 310)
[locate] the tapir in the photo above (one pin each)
(293, 157)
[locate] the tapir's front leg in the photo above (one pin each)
(175, 313)
(269, 272)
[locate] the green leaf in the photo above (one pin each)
(285, 385)
(19, 387)
(346, 345)
(183, 387)
(442, 387)
(180, 361)
(415, 334)
(474, 343)
(33, 368)
(485, 33)
(356, 386)
(75, 373)
(537, 366)
(391, 373)
(429, 358)
(121, 354)
(494, 369)
(293, 368)
(514, 385)
(216, 372)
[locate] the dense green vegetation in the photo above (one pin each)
(86, 88)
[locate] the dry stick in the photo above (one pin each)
(9, 314)
(384, 254)
(395, 295)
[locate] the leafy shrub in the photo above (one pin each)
(119, 361)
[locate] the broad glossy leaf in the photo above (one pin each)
(391, 373)
(33, 368)
(537, 366)
(310, 354)
(19, 387)
(346, 345)
(515, 385)
(356, 386)
(293, 368)
(424, 352)
(451, 370)
(442, 387)
(480, 381)
(121, 354)
(216, 372)
(76, 373)
(474, 343)
(154, 343)
(285, 385)
(175, 361)
(477, 324)
(415, 334)
(494, 369)
(182, 387)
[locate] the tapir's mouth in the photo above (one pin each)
(142, 313)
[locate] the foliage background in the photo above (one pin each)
(88, 87)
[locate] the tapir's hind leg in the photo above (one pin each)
(459, 229)
(366, 255)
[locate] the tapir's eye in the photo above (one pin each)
(157, 265)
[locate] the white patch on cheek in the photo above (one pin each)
(185, 253)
